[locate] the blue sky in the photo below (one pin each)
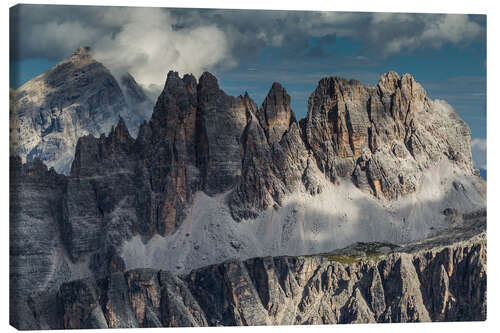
(249, 50)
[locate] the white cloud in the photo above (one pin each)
(396, 32)
(148, 42)
(451, 28)
(479, 153)
(148, 47)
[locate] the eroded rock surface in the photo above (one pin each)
(78, 96)
(407, 284)
(383, 136)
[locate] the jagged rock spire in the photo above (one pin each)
(120, 132)
(276, 115)
(82, 55)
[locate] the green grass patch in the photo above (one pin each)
(342, 258)
(362, 252)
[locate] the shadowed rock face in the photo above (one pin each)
(198, 139)
(383, 139)
(411, 284)
(36, 250)
(275, 116)
(78, 96)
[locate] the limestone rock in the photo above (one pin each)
(399, 287)
(275, 115)
(383, 136)
(78, 96)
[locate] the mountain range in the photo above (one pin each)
(121, 222)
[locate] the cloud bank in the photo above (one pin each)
(478, 147)
(148, 46)
(150, 41)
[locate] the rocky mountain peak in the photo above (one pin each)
(174, 101)
(81, 56)
(406, 85)
(208, 80)
(174, 84)
(82, 51)
(276, 115)
(382, 137)
(390, 80)
(190, 82)
(172, 75)
(78, 96)
(276, 89)
(120, 132)
(250, 105)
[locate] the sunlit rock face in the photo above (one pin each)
(213, 177)
(383, 136)
(78, 96)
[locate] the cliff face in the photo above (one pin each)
(213, 177)
(383, 136)
(443, 279)
(78, 96)
(36, 251)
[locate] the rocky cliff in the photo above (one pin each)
(441, 279)
(78, 96)
(383, 136)
(212, 178)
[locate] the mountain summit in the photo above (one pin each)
(78, 96)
